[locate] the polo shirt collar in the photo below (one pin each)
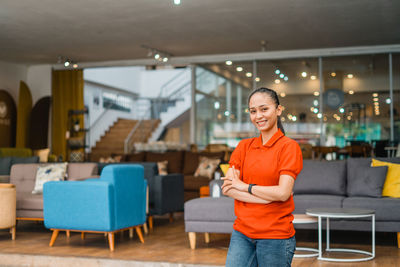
(271, 141)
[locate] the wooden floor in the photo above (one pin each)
(169, 243)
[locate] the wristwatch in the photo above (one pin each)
(249, 189)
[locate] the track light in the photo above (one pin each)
(158, 55)
(177, 2)
(66, 63)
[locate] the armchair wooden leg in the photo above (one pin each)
(145, 229)
(207, 237)
(192, 240)
(13, 231)
(171, 217)
(139, 233)
(83, 235)
(68, 233)
(130, 232)
(151, 223)
(111, 241)
(53, 237)
(398, 239)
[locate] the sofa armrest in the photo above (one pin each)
(79, 205)
(166, 193)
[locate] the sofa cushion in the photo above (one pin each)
(78, 171)
(24, 160)
(210, 209)
(49, 172)
(321, 177)
(28, 201)
(391, 188)
(207, 167)
(23, 177)
(368, 182)
(174, 159)
(194, 183)
(386, 208)
(5, 165)
(308, 201)
(191, 160)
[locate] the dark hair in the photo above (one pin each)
(274, 96)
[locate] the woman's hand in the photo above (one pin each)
(232, 180)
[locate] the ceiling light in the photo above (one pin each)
(281, 75)
(350, 76)
(249, 74)
(333, 74)
(216, 105)
(157, 56)
(165, 59)
(277, 81)
(388, 100)
(375, 95)
(283, 119)
(341, 110)
(348, 118)
(304, 74)
(177, 2)
(226, 113)
(228, 62)
(315, 102)
(277, 71)
(375, 99)
(313, 77)
(66, 63)
(257, 79)
(75, 66)
(239, 69)
(351, 92)
(315, 110)
(312, 109)
(286, 78)
(283, 94)
(376, 103)
(319, 115)
(294, 118)
(316, 93)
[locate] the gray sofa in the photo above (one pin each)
(166, 192)
(321, 184)
(30, 206)
(7, 162)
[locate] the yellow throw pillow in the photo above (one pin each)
(391, 188)
(224, 168)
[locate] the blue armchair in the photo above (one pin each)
(113, 203)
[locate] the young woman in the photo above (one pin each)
(260, 179)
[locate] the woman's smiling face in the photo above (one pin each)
(264, 112)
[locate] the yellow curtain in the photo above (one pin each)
(67, 94)
(23, 115)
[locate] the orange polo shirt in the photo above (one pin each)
(262, 165)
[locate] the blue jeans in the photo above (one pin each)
(247, 252)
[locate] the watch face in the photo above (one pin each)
(333, 98)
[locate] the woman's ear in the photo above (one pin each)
(279, 110)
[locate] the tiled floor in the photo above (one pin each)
(168, 243)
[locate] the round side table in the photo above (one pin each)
(305, 219)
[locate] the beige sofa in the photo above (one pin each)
(30, 206)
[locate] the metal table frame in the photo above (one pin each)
(370, 255)
(313, 251)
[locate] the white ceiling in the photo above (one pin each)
(38, 31)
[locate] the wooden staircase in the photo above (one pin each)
(113, 141)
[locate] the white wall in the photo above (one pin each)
(10, 76)
(126, 78)
(153, 80)
(39, 81)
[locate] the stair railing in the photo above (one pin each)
(127, 142)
